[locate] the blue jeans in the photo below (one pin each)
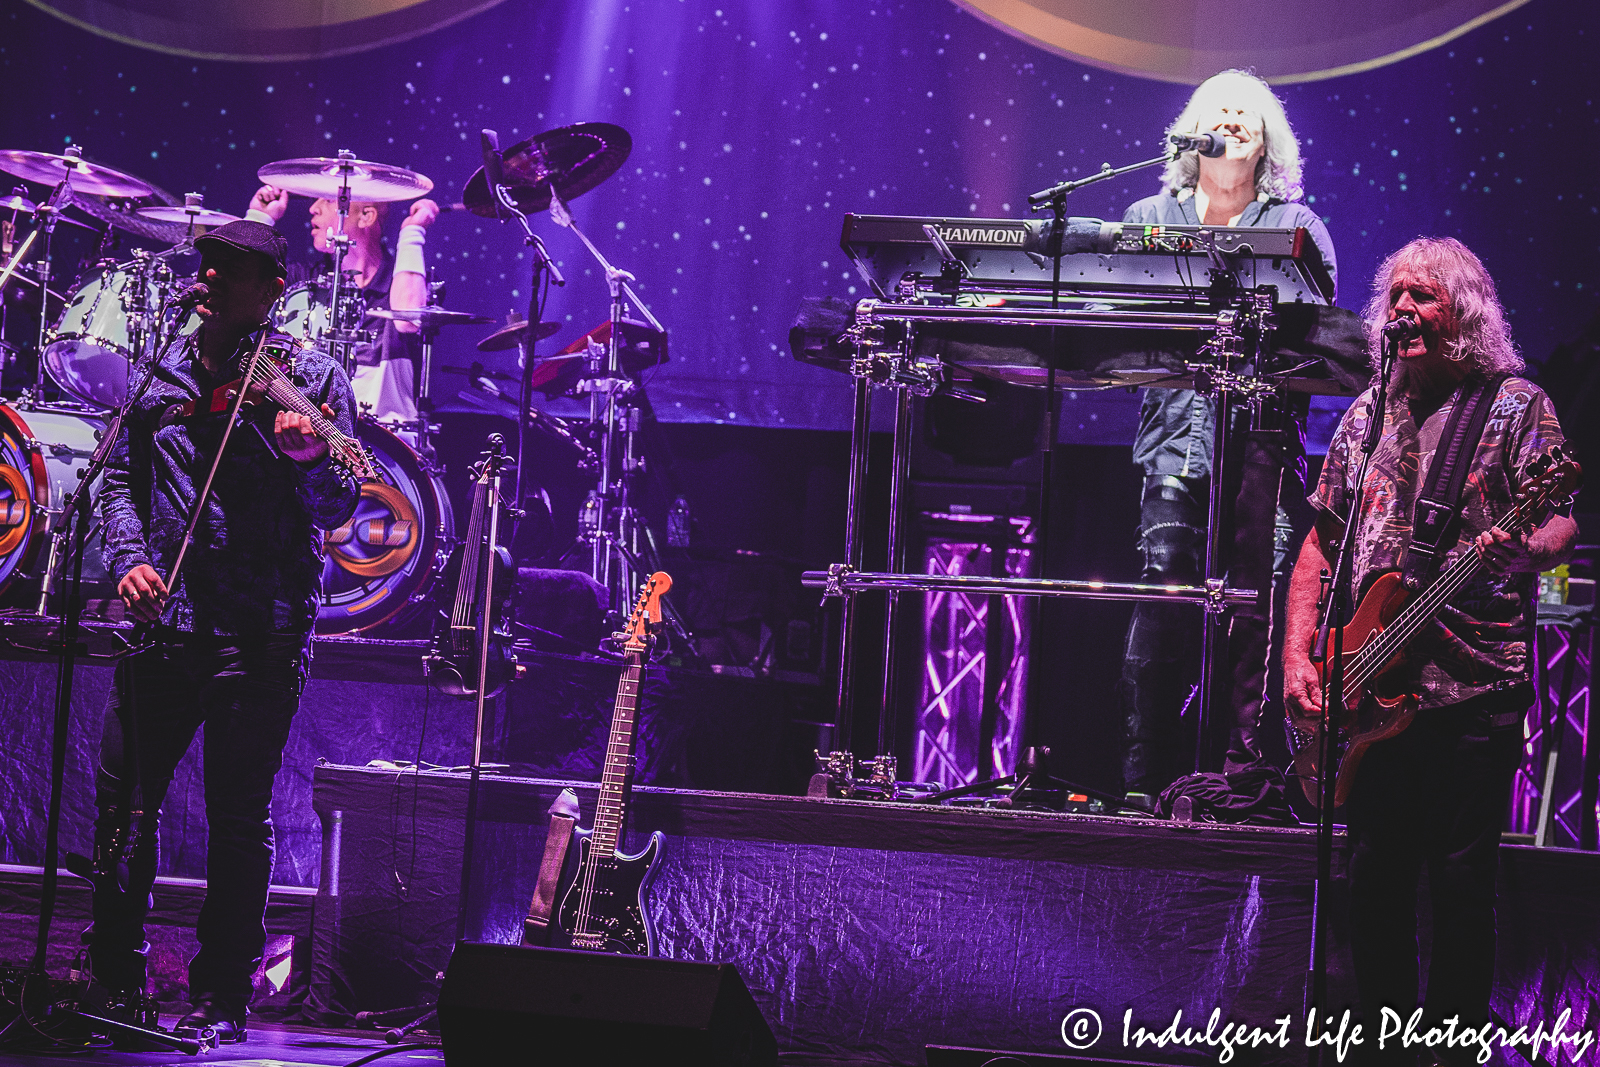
(245, 692)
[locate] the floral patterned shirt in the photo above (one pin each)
(1479, 641)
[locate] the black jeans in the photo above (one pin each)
(1160, 656)
(245, 691)
(1434, 795)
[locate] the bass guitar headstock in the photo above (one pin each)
(646, 613)
(1549, 480)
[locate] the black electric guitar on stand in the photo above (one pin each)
(604, 907)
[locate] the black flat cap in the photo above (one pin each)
(249, 236)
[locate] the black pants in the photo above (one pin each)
(245, 692)
(1160, 657)
(1435, 796)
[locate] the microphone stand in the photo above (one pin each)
(1335, 612)
(75, 514)
(505, 205)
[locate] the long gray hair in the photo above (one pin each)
(1483, 336)
(1278, 169)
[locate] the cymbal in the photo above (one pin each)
(23, 205)
(430, 317)
(642, 347)
(509, 336)
(123, 213)
(89, 178)
(321, 178)
(576, 158)
(186, 216)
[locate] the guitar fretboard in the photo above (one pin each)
(617, 774)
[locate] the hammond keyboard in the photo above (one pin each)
(898, 258)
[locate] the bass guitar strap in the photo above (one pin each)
(1434, 522)
(563, 818)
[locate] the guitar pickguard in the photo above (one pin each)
(603, 908)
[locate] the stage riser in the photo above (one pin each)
(871, 931)
(696, 729)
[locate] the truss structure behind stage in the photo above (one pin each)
(1562, 719)
(974, 668)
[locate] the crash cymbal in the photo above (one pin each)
(123, 213)
(89, 178)
(576, 158)
(186, 216)
(429, 317)
(321, 178)
(510, 336)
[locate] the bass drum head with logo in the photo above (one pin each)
(41, 453)
(378, 566)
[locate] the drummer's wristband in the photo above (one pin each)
(408, 252)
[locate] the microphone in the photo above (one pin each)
(1402, 329)
(1211, 143)
(492, 172)
(190, 297)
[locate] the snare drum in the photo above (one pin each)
(41, 453)
(379, 565)
(100, 333)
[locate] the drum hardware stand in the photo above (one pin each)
(342, 335)
(604, 413)
(45, 220)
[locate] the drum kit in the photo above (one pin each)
(381, 564)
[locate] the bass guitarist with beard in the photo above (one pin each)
(1436, 793)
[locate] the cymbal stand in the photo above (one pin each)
(607, 385)
(341, 339)
(45, 219)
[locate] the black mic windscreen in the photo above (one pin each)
(493, 174)
(193, 295)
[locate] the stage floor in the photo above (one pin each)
(270, 1045)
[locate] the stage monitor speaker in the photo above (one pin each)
(505, 1004)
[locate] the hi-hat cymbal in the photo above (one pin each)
(18, 203)
(430, 317)
(90, 178)
(575, 158)
(321, 178)
(185, 216)
(510, 336)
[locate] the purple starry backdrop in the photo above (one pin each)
(757, 127)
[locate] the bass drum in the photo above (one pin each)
(41, 455)
(378, 566)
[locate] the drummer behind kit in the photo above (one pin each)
(381, 567)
